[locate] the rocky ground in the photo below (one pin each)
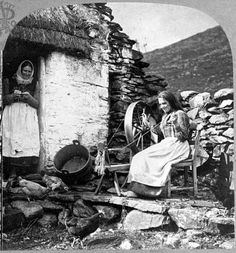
(38, 238)
(190, 234)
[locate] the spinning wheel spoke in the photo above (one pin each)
(137, 135)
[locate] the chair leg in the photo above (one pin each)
(169, 186)
(116, 183)
(186, 176)
(195, 190)
(99, 185)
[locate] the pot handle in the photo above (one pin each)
(65, 172)
(76, 142)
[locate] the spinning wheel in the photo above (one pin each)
(137, 134)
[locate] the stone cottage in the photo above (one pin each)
(68, 45)
(87, 70)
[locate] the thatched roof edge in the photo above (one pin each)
(52, 38)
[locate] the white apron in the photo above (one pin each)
(20, 131)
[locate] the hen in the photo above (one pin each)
(32, 189)
(82, 227)
(54, 183)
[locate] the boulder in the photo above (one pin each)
(218, 119)
(226, 93)
(218, 139)
(188, 217)
(30, 210)
(192, 114)
(200, 100)
(228, 244)
(137, 220)
(226, 103)
(188, 94)
(230, 150)
(203, 114)
(231, 114)
(214, 110)
(229, 133)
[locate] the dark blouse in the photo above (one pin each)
(10, 85)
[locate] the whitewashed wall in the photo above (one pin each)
(76, 97)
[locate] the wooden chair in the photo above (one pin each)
(187, 164)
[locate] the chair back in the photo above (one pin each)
(194, 142)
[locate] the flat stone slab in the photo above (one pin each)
(49, 206)
(154, 206)
(29, 209)
(137, 220)
(148, 205)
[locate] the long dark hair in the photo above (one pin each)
(171, 98)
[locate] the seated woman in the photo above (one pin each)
(20, 129)
(151, 166)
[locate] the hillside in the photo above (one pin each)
(202, 62)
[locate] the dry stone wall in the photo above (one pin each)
(127, 81)
(215, 112)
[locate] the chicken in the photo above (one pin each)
(82, 227)
(63, 216)
(54, 183)
(32, 189)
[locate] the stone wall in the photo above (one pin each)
(215, 112)
(76, 101)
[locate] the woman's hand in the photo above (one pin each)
(145, 119)
(16, 95)
(30, 100)
(26, 96)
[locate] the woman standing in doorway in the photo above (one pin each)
(151, 166)
(20, 129)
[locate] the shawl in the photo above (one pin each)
(19, 78)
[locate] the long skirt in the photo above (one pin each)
(152, 165)
(20, 131)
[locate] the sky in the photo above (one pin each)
(156, 25)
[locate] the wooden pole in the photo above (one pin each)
(41, 114)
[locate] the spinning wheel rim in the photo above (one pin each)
(129, 126)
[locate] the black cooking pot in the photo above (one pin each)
(73, 163)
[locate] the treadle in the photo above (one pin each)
(117, 167)
(115, 149)
(178, 188)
